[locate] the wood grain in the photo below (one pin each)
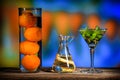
(108, 74)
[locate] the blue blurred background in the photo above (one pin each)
(64, 17)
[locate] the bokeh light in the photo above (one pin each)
(67, 17)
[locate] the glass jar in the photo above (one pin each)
(30, 39)
(63, 62)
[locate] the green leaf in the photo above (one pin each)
(97, 28)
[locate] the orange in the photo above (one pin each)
(27, 20)
(33, 34)
(27, 47)
(30, 62)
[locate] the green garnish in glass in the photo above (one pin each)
(92, 37)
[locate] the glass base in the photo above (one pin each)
(91, 71)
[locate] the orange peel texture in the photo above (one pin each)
(30, 62)
(33, 34)
(28, 48)
(27, 20)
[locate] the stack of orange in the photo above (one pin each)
(29, 48)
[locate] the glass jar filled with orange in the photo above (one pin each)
(30, 39)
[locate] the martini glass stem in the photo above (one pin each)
(92, 58)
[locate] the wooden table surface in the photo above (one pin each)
(108, 74)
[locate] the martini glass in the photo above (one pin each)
(92, 37)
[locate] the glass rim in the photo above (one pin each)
(30, 8)
(93, 29)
